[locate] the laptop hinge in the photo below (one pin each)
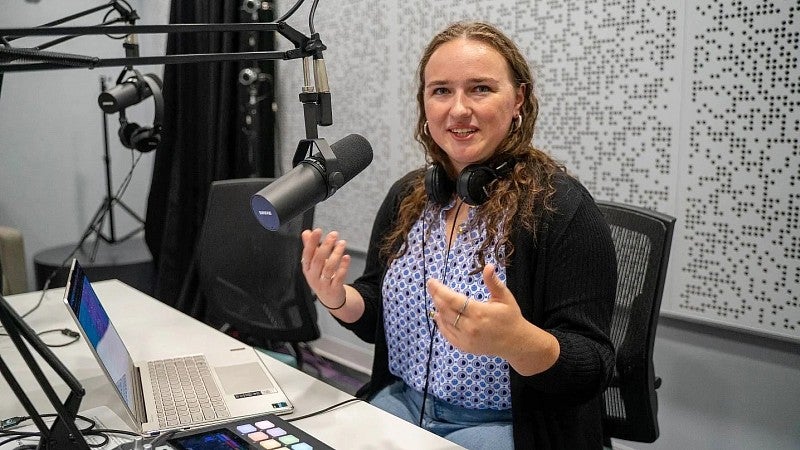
(138, 397)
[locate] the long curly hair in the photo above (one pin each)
(518, 199)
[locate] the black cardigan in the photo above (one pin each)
(565, 283)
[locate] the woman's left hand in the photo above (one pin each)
(473, 326)
(495, 327)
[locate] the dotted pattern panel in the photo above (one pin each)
(608, 83)
(740, 252)
(686, 107)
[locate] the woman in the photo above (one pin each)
(490, 276)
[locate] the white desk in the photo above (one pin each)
(152, 329)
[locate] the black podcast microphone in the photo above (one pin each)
(310, 182)
(127, 93)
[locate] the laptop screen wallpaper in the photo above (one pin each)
(101, 335)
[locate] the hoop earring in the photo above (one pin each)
(425, 129)
(519, 122)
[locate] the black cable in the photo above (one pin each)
(113, 431)
(88, 430)
(65, 331)
(162, 437)
(311, 17)
(104, 439)
(424, 291)
(324, 410)
(131, 15)
(291, 11)
(9, 440)
(103, 434)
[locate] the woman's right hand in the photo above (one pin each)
(325, 266)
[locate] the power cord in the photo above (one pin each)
(74, 335)
(90, 429)
(7, 426)
(324, 410)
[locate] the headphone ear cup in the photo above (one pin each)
(473, 182)
(126, 132)
(145, 139)
(438, 185)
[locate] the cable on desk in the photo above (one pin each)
(21, 447)
(88, 430)
(65, 331)
(352, 400)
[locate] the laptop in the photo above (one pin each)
(234, 383)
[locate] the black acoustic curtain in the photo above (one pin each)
(206, 137)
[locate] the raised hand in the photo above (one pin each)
(325, 266)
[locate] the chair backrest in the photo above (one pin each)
(251, 278)
(642, 239)
(13, 275)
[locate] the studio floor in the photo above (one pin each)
(331, 372)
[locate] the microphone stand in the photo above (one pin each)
(63, 433)
(107, 207)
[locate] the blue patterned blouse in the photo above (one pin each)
(463, 379)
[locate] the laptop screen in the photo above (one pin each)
(100, 333)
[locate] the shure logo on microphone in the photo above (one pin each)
(265, 213)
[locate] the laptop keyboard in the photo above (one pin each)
(185, 391)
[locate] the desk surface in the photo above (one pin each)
(152, 329)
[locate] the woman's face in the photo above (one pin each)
(470, 100)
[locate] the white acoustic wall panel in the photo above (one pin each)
(689, 108)
(738, 253)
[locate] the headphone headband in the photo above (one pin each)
(132, 135)
(472, 184)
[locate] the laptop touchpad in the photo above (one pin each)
(244, 378)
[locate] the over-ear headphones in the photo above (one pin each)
(472, 184)
(131, 134)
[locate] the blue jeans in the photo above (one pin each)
(469, 428)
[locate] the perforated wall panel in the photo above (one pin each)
(690, 108)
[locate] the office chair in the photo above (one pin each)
(642, 239)
(250, 277)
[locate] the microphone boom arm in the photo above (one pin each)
(317, 109)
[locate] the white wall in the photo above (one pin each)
(52, 175)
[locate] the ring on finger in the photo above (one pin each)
(330, 278)
(464, 306)
(455, 322)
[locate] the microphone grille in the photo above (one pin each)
(354, 154)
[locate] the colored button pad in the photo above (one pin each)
(263, 432)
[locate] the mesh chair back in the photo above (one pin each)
(642, 239)
(251, 277)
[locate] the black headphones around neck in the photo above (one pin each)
(472, 184)
(131, 134)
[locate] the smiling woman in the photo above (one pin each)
(471, 100)
(495, 336)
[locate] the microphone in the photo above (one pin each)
(127, 93)
(310, 182)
